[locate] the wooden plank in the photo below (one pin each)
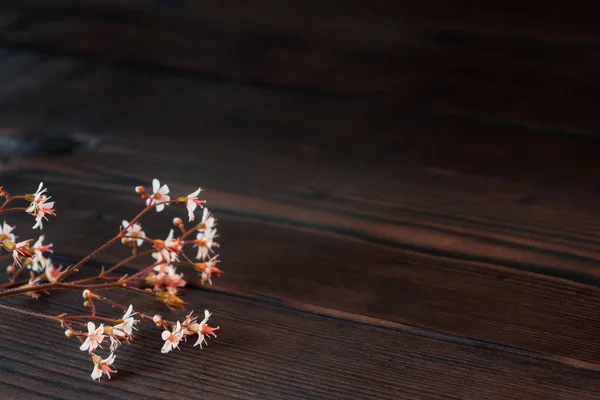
(265, 350)
(397, 230)
(318, 268)
(488, 64)
(551, 178)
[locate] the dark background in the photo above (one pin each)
(407, 191)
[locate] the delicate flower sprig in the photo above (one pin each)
(160, 279)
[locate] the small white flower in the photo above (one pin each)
(135, 230)
(204, 330)
(208, 220)
(172, 338)
(21, 251)
(193, 202)
(40, 207)
(102, 366)
(39, 261)
(168, 250)
(161, 194)
(50, 272)
(94, 338)
(39, 193)
(34, 281)
(205, 243)
(166, 277)
(209, 269)
(6, 233)
(125, 328)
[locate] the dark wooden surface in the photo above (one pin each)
(427, 231)
(529, 62)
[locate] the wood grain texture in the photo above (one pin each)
(527, 63)
(268, 351)
(418, 260)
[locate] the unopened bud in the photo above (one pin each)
(11, 269)
(87, 303)
(69, 333)
(157, 320)
(140, 190)
(151, 279)
(88, 295)
(177, 221)
(170, 300)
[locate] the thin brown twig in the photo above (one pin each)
(28, 313)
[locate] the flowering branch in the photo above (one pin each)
(159, 279)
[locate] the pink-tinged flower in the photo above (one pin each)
(21, 251)
(33, 282)
(187, 323)
(192, 202)
(123, 331)
(207, 269)
(160, 195)
(125, 328)
(172, 338)
(208, 221)
(40, 207)
(168, 249)
(6, 234)
(204, 330)
(204, 242)
(134, 231)
(51, 272)
(166, 277)
(102, 366)
(39, 261)
(95, 337)
(39, 247)
(39, 193)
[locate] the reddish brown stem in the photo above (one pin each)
(16, 209)
(28, 313)
(116, 238)
(9, 199)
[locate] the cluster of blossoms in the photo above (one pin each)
(159, 279)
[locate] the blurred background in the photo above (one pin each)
(361, 155)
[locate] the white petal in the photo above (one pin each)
(165, 335)
(166, 347)
(85, 345)
(160, 207)
(128, 312)
(96, 373)
(194, 194)
(191, 206)
(155, 185)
